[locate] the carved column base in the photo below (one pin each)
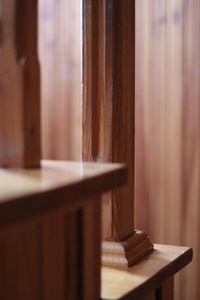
(127, 252)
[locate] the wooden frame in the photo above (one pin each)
(108, 118)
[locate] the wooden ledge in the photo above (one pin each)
(127, 252)
(147, 275)
(28, 192)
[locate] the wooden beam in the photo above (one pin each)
(19, 85)
(109, 117)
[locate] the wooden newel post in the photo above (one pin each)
(19, 84)
(108, 118)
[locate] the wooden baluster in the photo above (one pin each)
(19, 85)
(108, 118)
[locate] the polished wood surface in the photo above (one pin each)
(60, 57)
(20, 85)
(146, 276)
(50, 229)
(167, 178)
(29, 192)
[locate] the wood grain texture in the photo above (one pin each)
(60, 56)
(97, 91)
(143, 278)
(54, 255)
(123, 111)
(167, 128)
(62, 246)
(92, 249)
(44, 260)
(108, 102)
(20, 267)
(94, 81)
(20, 85)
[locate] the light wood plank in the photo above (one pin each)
(168, 128)
(60, 57)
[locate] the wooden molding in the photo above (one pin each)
(126, 252)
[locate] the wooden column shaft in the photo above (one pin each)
(109, 117)
(19, 85)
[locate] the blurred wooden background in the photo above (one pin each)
(167, 181)
(60, 55)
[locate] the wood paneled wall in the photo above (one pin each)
(60, 56)
(108, 102)
(52, 256)
(167, 176)
(109, 118)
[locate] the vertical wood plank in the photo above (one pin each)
(61, 257)
(168, 289)
(173, 108)
(94, 81)
(167, 128)
(123, 120)
(55, 258)
(20, 85)
(190, 147)
(53, 252)
(108, 102)
(142, 188)
(97, 92)
(74, 256)
(92, 249)
(60, 56)
(19, 265)
(107, 203)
